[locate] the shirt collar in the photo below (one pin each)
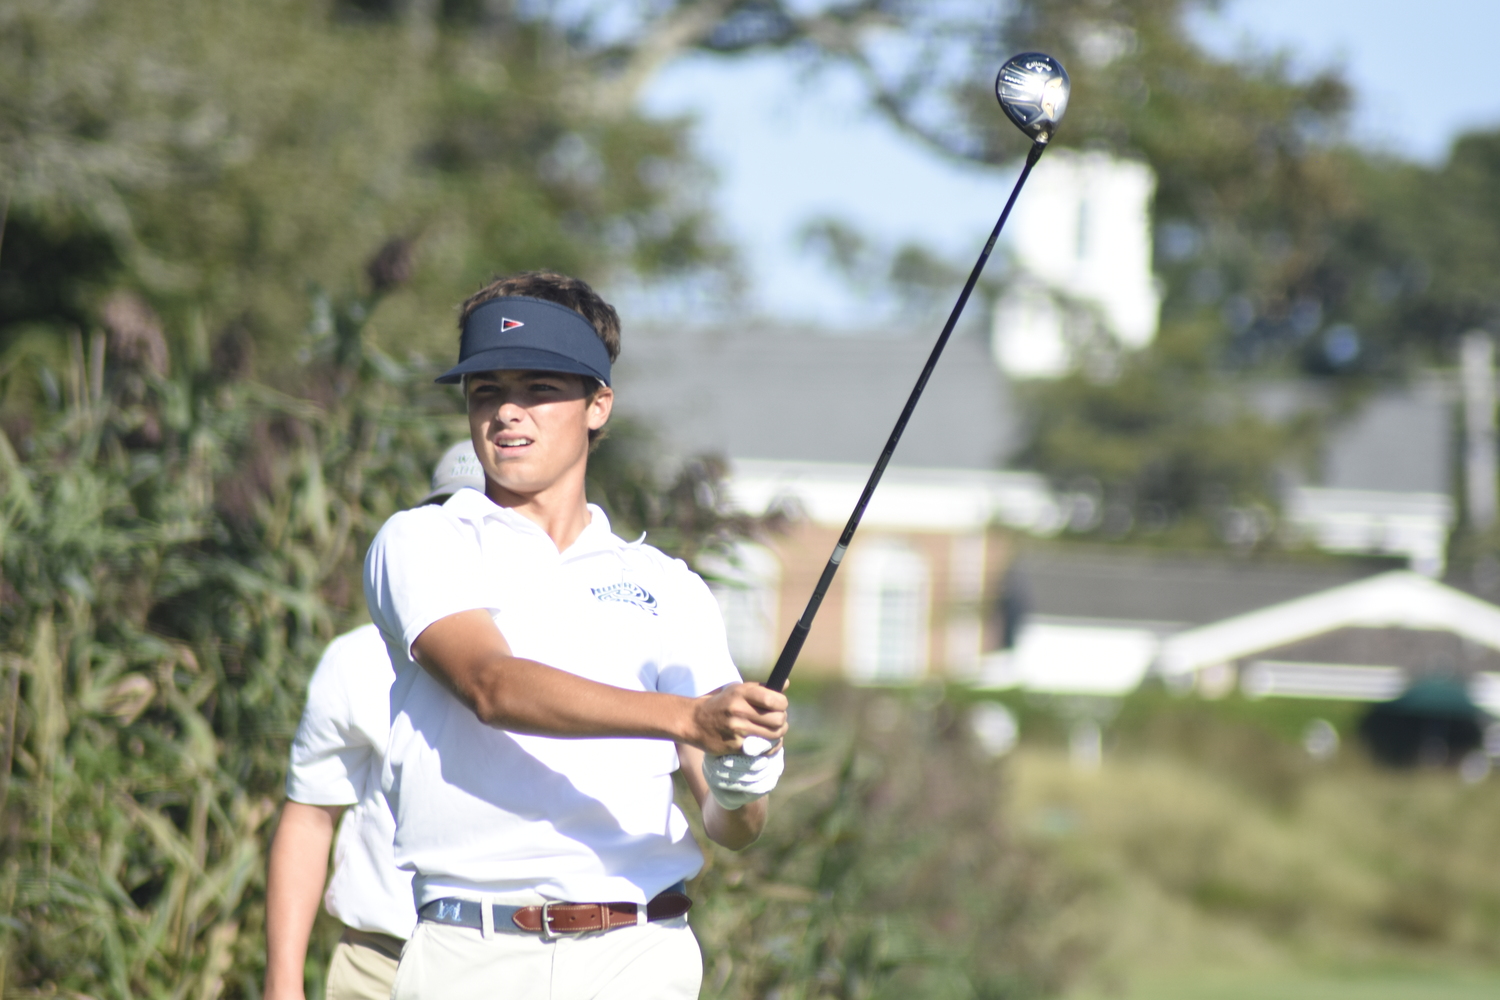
(471, 505)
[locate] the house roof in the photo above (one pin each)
(1397, 599)
(1169, 591)
(780, 393)
(910, 498)
(1400, 440)
(800, 395)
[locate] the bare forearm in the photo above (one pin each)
(466, 653)
(294, 887)
(524, 696)
(735, 829)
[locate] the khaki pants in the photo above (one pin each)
(363, 966)
(655, 961)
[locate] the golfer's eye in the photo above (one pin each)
(485, 395)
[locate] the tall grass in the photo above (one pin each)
(1216, 842)
(176, 550)
(889, 868)
(179, 541)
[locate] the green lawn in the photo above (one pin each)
(1226, 985)
(1224, 864)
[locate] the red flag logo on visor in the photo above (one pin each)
(509, 324)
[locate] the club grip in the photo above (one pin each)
(788, 657)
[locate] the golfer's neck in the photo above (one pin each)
(561, 510)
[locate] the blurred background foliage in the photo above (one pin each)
(891, 869)
(1228, 861)
(1284, 251)
(218, 158)
(230, 238)
(178, 544)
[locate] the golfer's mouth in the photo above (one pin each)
(513, 443)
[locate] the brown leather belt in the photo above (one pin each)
(554, 917)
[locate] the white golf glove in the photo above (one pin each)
(738, 778)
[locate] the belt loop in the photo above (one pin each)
(640, 914)
(487, 916)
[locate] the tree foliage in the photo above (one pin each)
(218, 157)
(1284, 251)
(177, 545)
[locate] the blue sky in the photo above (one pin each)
(788, 149)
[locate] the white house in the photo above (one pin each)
(1363, 641)
(802, 417)
(1096, 625)
(1080, 240)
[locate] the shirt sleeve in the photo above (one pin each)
(332, 753)
(423, 566)
(699, 659)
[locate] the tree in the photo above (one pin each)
(177, 545)
(1253, 193)
(195, 446)
(218, 157)
(1420, 257)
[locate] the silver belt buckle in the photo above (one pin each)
(547, 931)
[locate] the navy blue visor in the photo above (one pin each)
(519, 333)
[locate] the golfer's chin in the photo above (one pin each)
(517, 479)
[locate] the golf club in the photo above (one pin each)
(1033, 90)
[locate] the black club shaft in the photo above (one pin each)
(789, 653)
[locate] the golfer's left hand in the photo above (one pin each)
(736, 779)
(722, 720)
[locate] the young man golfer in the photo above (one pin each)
(335, 771)
(550, 678)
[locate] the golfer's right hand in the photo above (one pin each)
(738, 779)
(722, 720)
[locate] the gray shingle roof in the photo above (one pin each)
(792, 394)
(1402, 439)
(1119, 585)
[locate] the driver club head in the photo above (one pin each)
(1033, 89)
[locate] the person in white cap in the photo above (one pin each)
(550, 678)
(335, 770)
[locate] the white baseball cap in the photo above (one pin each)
(458, 469)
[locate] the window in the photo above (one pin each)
(886, 613)
(1081, 237)
(747, 586)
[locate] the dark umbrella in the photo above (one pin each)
(1433, 722)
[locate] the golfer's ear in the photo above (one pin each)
(600, 407)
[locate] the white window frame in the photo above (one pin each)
(887, 614)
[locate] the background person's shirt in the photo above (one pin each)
(480, 810)
(336, 758)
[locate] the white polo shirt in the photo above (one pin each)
(336, 759)
(480, 810)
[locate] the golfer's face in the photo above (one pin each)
(531, 429)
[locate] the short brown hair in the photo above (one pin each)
(574, 293)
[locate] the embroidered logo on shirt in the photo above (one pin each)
(626, 593)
